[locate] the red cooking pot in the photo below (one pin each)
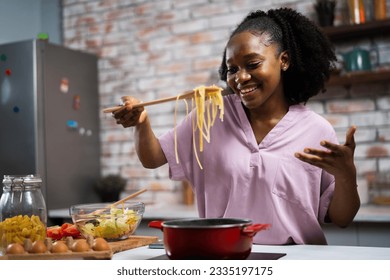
(220, 238)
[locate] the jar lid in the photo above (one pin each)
(21, 179)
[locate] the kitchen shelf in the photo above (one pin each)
(350, 79)
(355, 31)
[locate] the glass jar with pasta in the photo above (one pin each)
(23, 213)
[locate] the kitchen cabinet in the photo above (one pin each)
(346, 33)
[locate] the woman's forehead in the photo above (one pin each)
(262, 36)
(248, 42)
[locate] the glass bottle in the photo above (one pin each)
(380, 11)
(23, 213)
(356, 11)
(369, 10)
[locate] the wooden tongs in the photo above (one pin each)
(185, 95)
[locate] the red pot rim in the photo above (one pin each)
(206, 223)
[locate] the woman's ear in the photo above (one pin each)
(284, 60)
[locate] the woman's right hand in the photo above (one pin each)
(147, 145)
(127, 116)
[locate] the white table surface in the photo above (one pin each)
(293, 252)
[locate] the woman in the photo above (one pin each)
(271, 160)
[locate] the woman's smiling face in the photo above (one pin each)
(254, 69)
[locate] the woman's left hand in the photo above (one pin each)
(336, 159)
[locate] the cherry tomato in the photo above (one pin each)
(60, 232)
(54, 232)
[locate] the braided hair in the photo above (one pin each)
(310, 51)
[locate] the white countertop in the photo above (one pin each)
(163, 211)
(293, 252)
(367, 213)
(373, 213)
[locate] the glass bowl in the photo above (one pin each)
(111, 223)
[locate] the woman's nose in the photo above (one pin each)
(242, 76)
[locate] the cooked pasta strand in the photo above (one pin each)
(206, 100)
(174, 128)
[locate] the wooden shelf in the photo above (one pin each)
(350, 79)
(355, 31)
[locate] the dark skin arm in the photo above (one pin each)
(338, 161)
(146, 143)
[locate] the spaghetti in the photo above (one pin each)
(206, 102)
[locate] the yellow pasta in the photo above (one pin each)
(18, 228)
(207, 101)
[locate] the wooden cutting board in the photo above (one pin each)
(132, 242)
(117, 246)
(89, 255)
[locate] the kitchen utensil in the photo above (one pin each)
(133, 195)
(219, 238)
(185, 95)
(357, 60)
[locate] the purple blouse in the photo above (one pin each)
(262, 182)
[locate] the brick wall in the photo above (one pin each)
(157, 48)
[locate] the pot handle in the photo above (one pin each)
(251, 230)
(156, 224)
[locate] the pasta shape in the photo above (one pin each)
(207, 102)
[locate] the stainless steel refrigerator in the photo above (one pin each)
(49, 120)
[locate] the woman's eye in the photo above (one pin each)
(253, 65)
(231, 70)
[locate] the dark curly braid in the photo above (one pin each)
(311, 52)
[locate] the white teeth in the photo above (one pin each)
(244, 91)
